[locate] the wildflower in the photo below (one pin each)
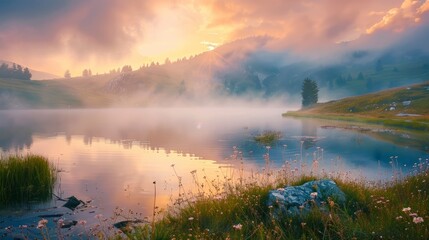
(313, 194)
(98, 216)
(237, 226)
(23, 226)
(81, 222)
(418, 220)
(60, 222)
(42, 223)
(331, 203)
(406, 210)
(399, 217)
(191, 218)
(413, 215)
(303, 224)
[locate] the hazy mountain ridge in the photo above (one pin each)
(251, 68)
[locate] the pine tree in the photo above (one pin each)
(309, 92)
(26, 74)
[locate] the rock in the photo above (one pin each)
(72, 203)
(294, 200)
(129, 226)
(406, 103)
(69, 224)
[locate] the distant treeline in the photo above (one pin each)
(15, 72)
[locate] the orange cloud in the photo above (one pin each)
(105, 34)
(399, 18)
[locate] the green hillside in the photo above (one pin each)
(402, 107)
(73, 93)
(15, 93)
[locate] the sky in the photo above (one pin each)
(59, 35)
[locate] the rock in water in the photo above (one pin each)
(294, 200)
(72, 203)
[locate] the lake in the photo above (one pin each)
(110, 158)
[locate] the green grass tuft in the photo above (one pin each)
(25, 178)
(268, 137)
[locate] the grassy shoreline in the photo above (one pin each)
(396, 210)
(236, 208)
(405, 123)
(405, 107)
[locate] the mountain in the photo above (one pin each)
(36, 75)
(249, 67)
(246, 69)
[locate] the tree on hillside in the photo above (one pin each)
(309, 92)
(127, 68)
(26, 74)
(16, 72)
(85, 73)
(67, 74)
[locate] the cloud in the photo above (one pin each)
(399, 18)
(103, 34)
(82, 27)
(300, 23)
(72, 32)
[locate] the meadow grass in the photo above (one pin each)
(397, 209)
(25, 178)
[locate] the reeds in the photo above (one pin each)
(25, 178)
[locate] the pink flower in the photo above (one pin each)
(42, 223)
(81, 222)
(418, 220)
(406, 210)
(60, 222)
(237, 226)
(313, 194)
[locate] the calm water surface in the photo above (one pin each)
(112, 157)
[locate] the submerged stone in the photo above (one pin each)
(294, 200)
(69, 224)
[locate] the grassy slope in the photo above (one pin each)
(16, 93)
(76, 92)
(381, 107)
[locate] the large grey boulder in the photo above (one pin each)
(294, 200)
